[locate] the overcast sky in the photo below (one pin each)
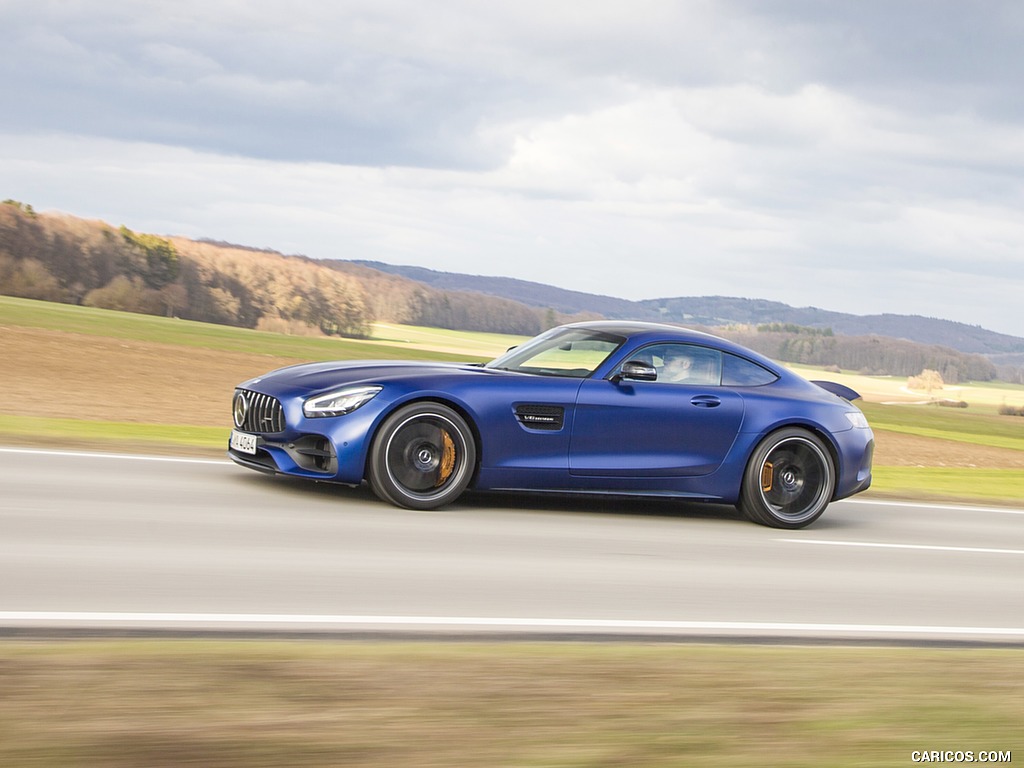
(857, 156)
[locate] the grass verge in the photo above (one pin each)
(170, 703)
(111, 434)
(1004, 486)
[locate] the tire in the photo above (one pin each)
(789, 480)
(422, 457)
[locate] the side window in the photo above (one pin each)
(684, 363)
(738, 372)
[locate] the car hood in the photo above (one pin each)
(312, 378)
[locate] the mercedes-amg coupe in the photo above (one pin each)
(598, 408)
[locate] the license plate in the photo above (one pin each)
(242, 442)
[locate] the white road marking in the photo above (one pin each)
(924, 505)
(37, 618)
(881, 545)
(119, 456)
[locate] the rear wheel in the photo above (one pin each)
(789, 480)
(422, 457)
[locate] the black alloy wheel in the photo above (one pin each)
(422, 457)
(789, 480)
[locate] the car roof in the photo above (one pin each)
(635, 328)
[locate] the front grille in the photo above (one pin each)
(256, 412)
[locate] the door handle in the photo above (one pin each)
(705, 401)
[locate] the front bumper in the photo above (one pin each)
(331, 449)
(308, 455)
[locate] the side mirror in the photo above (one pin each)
(634, 370)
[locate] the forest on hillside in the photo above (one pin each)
(55, 257)
(66, 259)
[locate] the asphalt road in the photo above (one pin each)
(93, 542)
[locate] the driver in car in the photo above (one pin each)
(677, 365)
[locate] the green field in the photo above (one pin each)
(956, 424)
(162, 330)
(960, 432)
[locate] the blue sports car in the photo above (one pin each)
(598, 408)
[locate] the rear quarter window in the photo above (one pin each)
(740, 372)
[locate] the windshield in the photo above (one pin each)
(572, 352)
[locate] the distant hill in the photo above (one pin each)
(532, 294)
(713, 311)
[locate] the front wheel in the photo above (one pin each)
(789, 480)
(422, 457)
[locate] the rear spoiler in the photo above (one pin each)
(838, 389)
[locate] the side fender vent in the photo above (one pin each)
(546, 417)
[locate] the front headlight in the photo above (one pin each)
(857, 419)
(338, 403)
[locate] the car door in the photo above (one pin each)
(660, 428)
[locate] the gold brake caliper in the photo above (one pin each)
(444, 471)
(767, 476)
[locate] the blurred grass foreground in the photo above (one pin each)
(168, 703)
